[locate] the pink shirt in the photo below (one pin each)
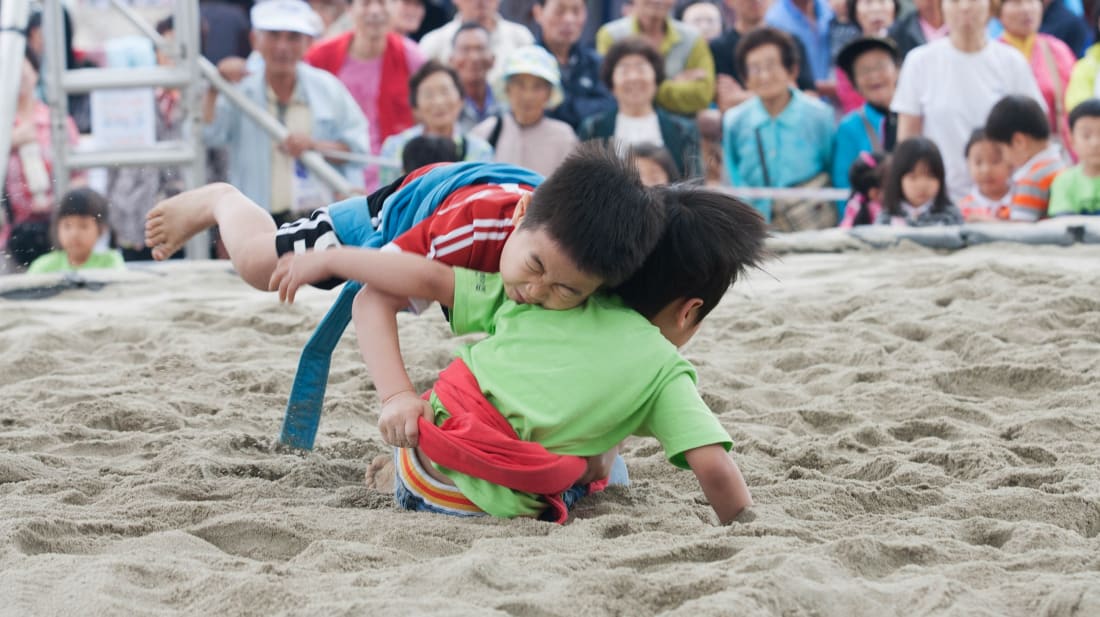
(846, 93)
(21, 199)
(1064, 59)
(932, 33)
(362, 79)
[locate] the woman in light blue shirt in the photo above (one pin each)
(780, 137)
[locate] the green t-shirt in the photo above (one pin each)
(578, 381)
(1074, 193)
(58, 261)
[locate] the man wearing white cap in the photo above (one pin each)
(315, 107)
(523, 135)
(504, 36)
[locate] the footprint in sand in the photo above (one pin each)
(254, 540)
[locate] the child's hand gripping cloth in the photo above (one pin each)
(476, 440)
(415, 202)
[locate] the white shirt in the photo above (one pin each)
(953, 91)
(631, 130)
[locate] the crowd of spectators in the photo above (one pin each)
(873, 96)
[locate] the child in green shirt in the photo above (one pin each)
(1077, 189)
(576, 381)
(80, 220)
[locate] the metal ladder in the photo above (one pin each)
(191, 74)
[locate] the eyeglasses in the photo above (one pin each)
(874, 69)
(757, 70)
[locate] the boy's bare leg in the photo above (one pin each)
(380, 473)
(246, 229)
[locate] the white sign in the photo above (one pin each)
(124, 118)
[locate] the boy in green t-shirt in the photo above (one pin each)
(1077, 189)
(80, 220)
(576, 381)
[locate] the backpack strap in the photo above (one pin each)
(494, 136)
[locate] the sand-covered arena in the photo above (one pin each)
(920, 431)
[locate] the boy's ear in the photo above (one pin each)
(521, 209)
(687, 312)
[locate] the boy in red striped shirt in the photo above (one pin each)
(1020, 126)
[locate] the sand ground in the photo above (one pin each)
(919, 430)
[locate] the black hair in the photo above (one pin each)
(659, 155)
(166, 25)
(907, 155)
(34, 22)
(864, 176)
(429, 68)
(427, 149)
(977, 137)
(631, 46)
(710, 239)
(852, 12)
(470, 25)
(1016, 113)
(33, 58)
(1092, 15)
(1088, 108)
(82, 202)
(595, 208)
(788, 51)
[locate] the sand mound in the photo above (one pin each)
(919, 431)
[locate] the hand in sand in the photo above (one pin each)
(398, 420)
(599, 466)
(294, 271)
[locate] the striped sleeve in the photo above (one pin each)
(1031, 193)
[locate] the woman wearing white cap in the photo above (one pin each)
(523, 135)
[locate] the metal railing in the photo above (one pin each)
(13, 23)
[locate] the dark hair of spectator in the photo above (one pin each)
(710, 239)
(467, 26)
(595, 208)
(1016, 113)
(631, 46)
(32, 57)
(863, 177)
(977, 137)
(852, 11)
(83, 202)
(1092, 13)
(166, 25)
(906, 157)
(427, 149)
(659, 155)
(1089, 108)
(788, 51)
(429, 68)
(35, 22)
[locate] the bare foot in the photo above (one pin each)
(174, 221)
(380, 473)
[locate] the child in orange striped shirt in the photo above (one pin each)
(1020, 126)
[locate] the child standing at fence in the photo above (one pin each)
(915, 192)
(865, 177)
(81, 219)
(990, 198)
(1077, 189)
